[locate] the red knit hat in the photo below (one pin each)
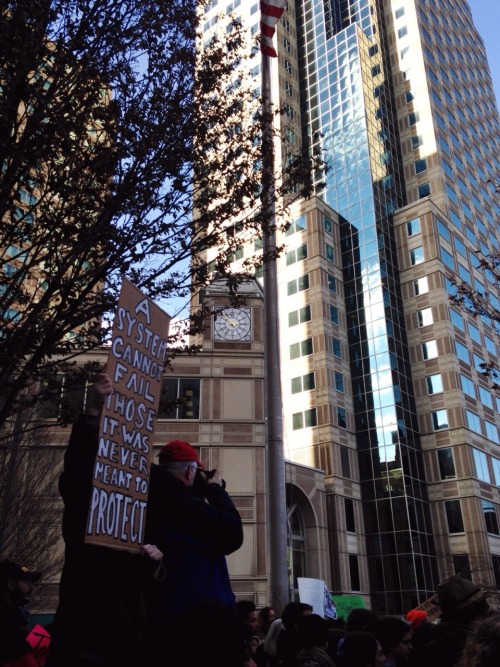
(416, 617)
(178, 450)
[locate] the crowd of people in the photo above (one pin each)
(173, 604)
(466, 634)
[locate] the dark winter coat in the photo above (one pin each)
(195, 534)
(101, 611)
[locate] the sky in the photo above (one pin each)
(486, 15)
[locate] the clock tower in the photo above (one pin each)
(234, 327)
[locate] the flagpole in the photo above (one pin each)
(278, 585)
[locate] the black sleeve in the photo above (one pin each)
(75, 482)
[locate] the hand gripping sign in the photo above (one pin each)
(117, 510)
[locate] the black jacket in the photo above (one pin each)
(194, 535)
(101, 611)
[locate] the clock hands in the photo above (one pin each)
(231, 323)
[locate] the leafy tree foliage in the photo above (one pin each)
(30, 506)
(483, 305)
(108, 109)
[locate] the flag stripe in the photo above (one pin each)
(270, 14)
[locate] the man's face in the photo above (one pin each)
(253, 623)
(401, 652)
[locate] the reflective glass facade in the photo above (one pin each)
(348, 102)
(398, 96)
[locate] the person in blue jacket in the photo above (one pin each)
(193, 521)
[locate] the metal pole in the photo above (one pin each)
(278, 592)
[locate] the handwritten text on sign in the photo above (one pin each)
(121, 472)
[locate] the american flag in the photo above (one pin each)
(270, 14)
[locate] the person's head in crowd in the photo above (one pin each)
(312, 631)
(266, 616)
(359, 649)
(482, 647)
(249, 617)
(461, 600)
(360, 618)
(16, 583)
(181, 460)
(293, 612)
(394, 636)
(416, 618)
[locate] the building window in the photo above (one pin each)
(491, 432)
(462, 352)
(496, 470)
(413, 118)
(417, 255)
(457, 320)
(332, 283)
(425, 317)
(490, 345)
(179, 399)
(296, 255)
(305, 419)
(474, 422)
(329, 252)
(302, 349)
(295, 529)
(334, 314)
(481, 465)
(429, 350)
(485, 398)
(424, 190)
(421, 286)
(474, 333)
(413, 227)
(454, 516)
(336, 348)
(434, 384)
(468, 386)
(402, 32)
(416, 141)
(490, 517)
(341, 417)
(303, 383)
(350, 523)
(298, 285)
(496, 570)
(420, 165)
(339, 381)
(354, 573)
(297, 225)
(439, 419)
(345, 463)
(446, 463)
(299, 316)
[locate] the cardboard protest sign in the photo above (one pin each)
(315, 592)
(117, 510)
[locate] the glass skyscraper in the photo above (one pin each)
(382, 373)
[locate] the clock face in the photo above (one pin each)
(233, 324)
